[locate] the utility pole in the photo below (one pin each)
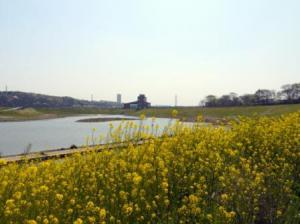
(6, 89)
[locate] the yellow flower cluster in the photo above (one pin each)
(247, 172)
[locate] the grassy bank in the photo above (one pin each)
(43, 113)
(210, 114)
(184, 113)
(91, 120)
(22, 114)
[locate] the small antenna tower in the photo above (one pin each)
(6, 88)
(176, 100)
(92, 98)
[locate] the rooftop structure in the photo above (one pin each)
(141, 103)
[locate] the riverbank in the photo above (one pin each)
(211, 115)
(31, 114)
(65, 152)
(105, 119)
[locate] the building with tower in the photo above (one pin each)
(141, 103)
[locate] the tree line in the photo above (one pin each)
(23, 99)
(289, 94)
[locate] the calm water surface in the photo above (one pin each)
(55, 133)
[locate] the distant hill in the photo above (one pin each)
(23, 99)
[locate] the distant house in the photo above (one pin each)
(141, 103)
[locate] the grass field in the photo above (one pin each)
(184, 113)
(210, 114)
(43, 113)
(23, 114)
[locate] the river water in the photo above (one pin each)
(40, 135)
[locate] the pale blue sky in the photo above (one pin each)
(160, 47)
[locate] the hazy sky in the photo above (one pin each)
(158, 47)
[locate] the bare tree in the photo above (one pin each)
(210, 101)
(265, 96)
(291, 92)
(248, 99)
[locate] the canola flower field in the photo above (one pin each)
(248, 172)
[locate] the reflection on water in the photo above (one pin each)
(18, 137)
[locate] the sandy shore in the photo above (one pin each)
(105, 119)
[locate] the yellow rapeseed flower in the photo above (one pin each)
(78, 221)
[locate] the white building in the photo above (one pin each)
(119, 98)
